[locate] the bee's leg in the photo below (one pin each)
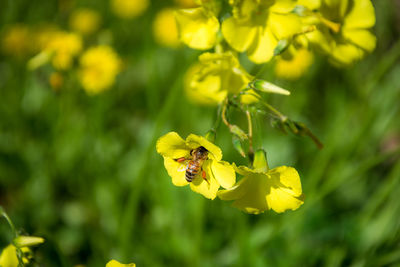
(203, 174)
(180, 159)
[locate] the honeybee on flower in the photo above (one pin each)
(178, 152)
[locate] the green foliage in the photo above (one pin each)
(83, 173)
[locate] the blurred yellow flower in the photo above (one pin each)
(198, 27)
(42, 34)
(164, 28)
(98, 68)
(128, 9)
(257, 26)
(218, 173)
(261, 189)
(85, 21)
(217, 74)
(114, 263)
(343, 29)
(16, 40)
(293, 63)
(62, 48)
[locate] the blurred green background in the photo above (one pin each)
(82, 171)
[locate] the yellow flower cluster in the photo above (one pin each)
(99, 65)
(260, 189)
(340, 29)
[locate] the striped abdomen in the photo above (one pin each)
(192, 170)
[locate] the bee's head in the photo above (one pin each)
(200, 153)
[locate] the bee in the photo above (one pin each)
(199, 155)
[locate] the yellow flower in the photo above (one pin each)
(217, 74)
(128, 9)
(293, 63)
(99, 67)
(261, 189)
(164, 28)
(62, 48)
(9, 258)
(343, 29)
(85, 21)
(114, 263)
(16, 40)
(257, 26)
(198, 27)
(217, 172)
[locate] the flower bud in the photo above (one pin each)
(266, 87)
(27, 241)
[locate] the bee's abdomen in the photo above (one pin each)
(191, 171)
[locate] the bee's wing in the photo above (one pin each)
(183, 167)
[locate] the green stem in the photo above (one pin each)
(269, 107)
(223, 113)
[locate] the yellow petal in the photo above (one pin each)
(280, 201)
(235, 80)
(196, 29)
(322, 39)
(233, 193)
(284, 25)
(114, 263)
(172, 145)
(176, 170)
(288, 177)
(209, 187)
(294, 67)
(8, 257)
(194, 141)
(238, 35)
(262, 49)
(253, 200)
(285, 189)
(362, 15)
(223, 173)
(363, 38)
(203, 89)
(344, 54)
